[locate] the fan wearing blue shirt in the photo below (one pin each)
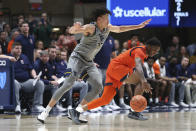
(27, 41)
(25, 76)
(190, 84)
(182, 76)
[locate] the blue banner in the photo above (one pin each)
(7, 90)
(133, 12)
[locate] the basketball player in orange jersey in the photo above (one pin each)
(126, 67)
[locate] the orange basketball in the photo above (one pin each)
(138, 103)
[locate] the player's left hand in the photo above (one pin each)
(143, 24)
(147, 88)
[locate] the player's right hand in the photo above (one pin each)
(147, 88)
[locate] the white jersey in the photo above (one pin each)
(149, 71)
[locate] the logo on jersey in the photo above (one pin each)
(2, 79)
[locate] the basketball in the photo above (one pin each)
(138, 103)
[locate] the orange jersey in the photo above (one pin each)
(123, 64)
(128, 57)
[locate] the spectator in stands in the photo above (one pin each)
(193, 58)
(3, 42)
(166, 82)
(42, 65)
(39, 45)
(155, 84)
(60, 41)
(25, 76)
(44, 30)
(117, 47)
(182, 76)
(19, 25)
(37, 54)
(191, 49)
(134, 41)
(52, 61)
(54, 43)
(61, 64)
(64, 56)
(171, 51)
(176, 42)
(14, 35)
(182, 53)
(27, 41)
(32, 24)
(190, 86)
(125, 45)
(7, 29)
(171, 72)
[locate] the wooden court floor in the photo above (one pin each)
(158, 121)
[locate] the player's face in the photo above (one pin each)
(162, 61)
(104, 20)
(152, 50)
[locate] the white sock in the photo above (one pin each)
(48, 108)
(156, 100)
(132, 110)
(121, 101)
(150, 100)
(79, 108)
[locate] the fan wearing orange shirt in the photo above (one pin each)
(126, 67)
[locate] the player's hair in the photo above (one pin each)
(154, 41)
(16, 44)
(99, 12)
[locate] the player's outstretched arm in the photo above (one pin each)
(77, 28)
(119, 29)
